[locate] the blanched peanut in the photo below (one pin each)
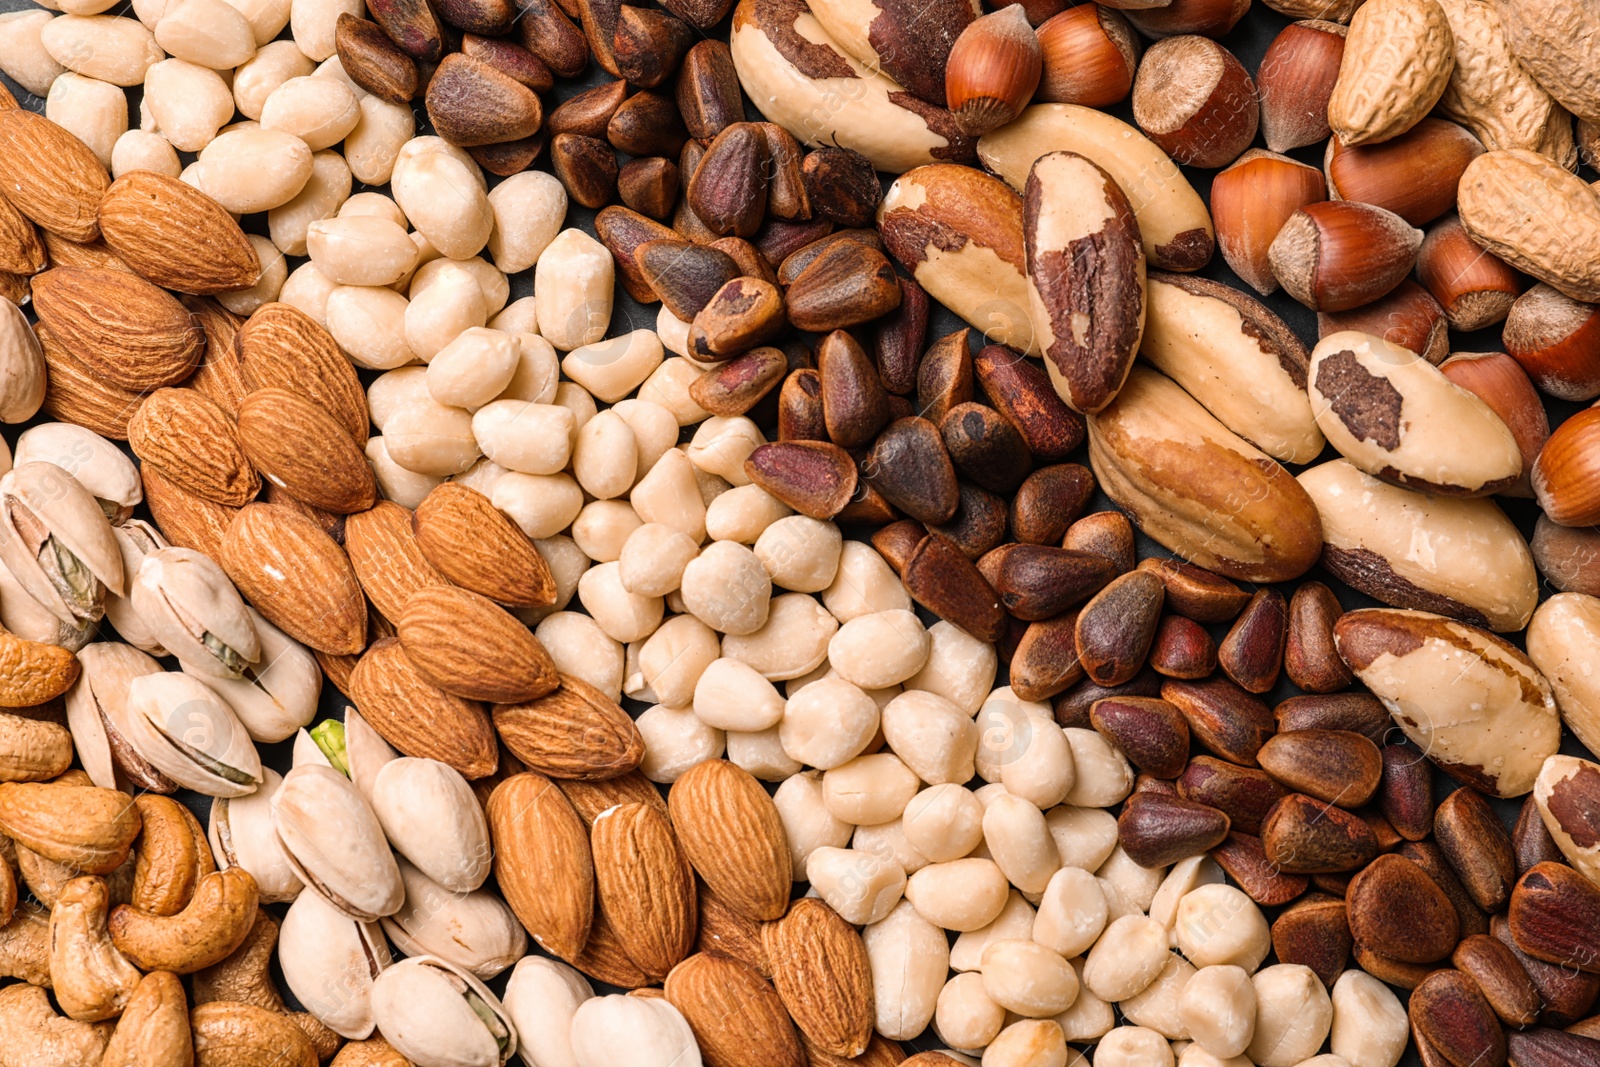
(1138, 884)
(426, 437)
(1370, 1026)
(567, 564)
(861, 886)
(960, 667)
(827, 723)
(1219, 924)
(1186, 876)
(1127, 958)
(1156, 1007)
(95, 112)
(669, 387)
(270, 67)
(189, 103)
(274, 272)
(793, 642)
(1084, 837)
(613, 368)
(312, 23)
(1027, 978)
(1037, 764)
(963, 894)
(442, 197)
(966, 1016)
(744, 513)
(572, 285)
(308, 289)
(372, 147)
(538, 372)
(800, 553)
(439, 314)
(807, 823)
(623, 616)
(406, 488)
(137, 150)
(731, 695)
(655, 431)
(863, 585)
(211, 33)
(761, 754)
(1133, 1046)
(528, 211)
(421, 146)
(1015, 922)
(1196, 1056)
(472, 370)
(1089, 1018)
(1293, 1015)
(1104, 777)
(653, 560)
(320, 198)
(1219, 1008)
(1072, 912)
(23, 55)
(673, 331)
(267, 18)
(932, 735)
(675, 657)
(670, 495)
(360, 250)
(104, 47)
(888, 839)
(675, 740)
(374, 205)
(1020, 842)
(581, 648)
(606, 456)
(369, 324)
(909, 958)
(532, 438)
(602, 528)
(541, 505)
(721, 445)
(1007, 725)
(576, 399)
(1028, 1043)
(880, 649)
(252, 170)
(944, 822)
(320, 111)
(869, 789)
(727, 588)
(493, 285)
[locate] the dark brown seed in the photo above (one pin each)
(471, 103)
(1116, 626)
(1449, 1011)
(1589, 1027)
(1246, 794)
(985, 447)
(752, 264)
(728, 190)
(1105, 533)
(979, 523)
(1501, 979)
(1149, 731)
(734, 387)
(647, 124)
(1156, 830)
(1381, 830)
(1223, 718)
(867, 507)
(800, 407)
(898, 540)
(944, 377)
(624, 231)
(908, 465)
(848, 284)
(1405, 796)
(649, 186)
(547, 32)
(813, 477)
(1394, 972)
(854, 405)
(1531, 840)
(1304, 836)
(795, 263)
(786, 192)
(373, 61)
(709, 97)
(1554, 916)
(1197, 593)
(1149, 783)
(1182, 649)
(412, 26)
(1020, 390)
(779, 239)
(509, 58)
(1046, 660)
(1336, 766)
(1038, 582)
(1315, 933)
(1362, 713)
(587, 167)
(1049, 501)
(1397, 910)
(491, 17)
(842, 185)
(1475, 842)
(1309, 657)
(684, 275)
(1426, 854)
(989, 563)
(648, 45)
(1252, 653)
(743, 314)
(944, 581)
(510, 157)
(899, 337)
(1551, 1048)
(701, 14)
(589, 113)
(691, 227)
(1566, 993)
(1073, 706)
(1244, 858)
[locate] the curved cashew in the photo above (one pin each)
(83, 826)
(228, 1034)
(45, 878)
(32, 672)
(32, 750)
(373, 1052)
(25, 945)
(154, 1028)
(244, 977)
(213, 924)
(92, 979)
(172, 856)
(33, 1035)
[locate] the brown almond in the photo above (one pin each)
(1197, 593)
(899, 338)
(815, 478)
(574, 732)
(186, 520)
(847, 284)
(176, 236)
(1244, 858)
(1045, 660)
(282, 347)
(1048, 502)
(941, 578)
(1157, 830)
(646, 886)
(592, 796)
(1182, 649)
(1309, 658)
(49, 175)
(854, 404)
(1449, 1012)
(944, 377)
(821, 971)
(474, 545)
(417, 717)
(744, 313)
(1500, 978)
(1252, 652)
(304, 450)
(1397, 910)
(21, 248)
(1475, 842)
(731, 832)
(726, 931)
(1361, 713)
(127, 331)
(736, 1015)
(1336, 766)
(1115, 628)
(604, 958)
(386, 558)
(192, 441)
(1222, 717)
(1038, 582)
(1553, 915)
(1405, 795)
(471, 647)
(294, 574)
(542, 862)
(728, 190)
(220, 376)
(1021, 391)
(909, 466)
(1303, 835)
(1150, 732)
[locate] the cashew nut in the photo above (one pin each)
(215, 922)
(373, 1052)
(229, 1034)
(92, 980)
(244, 977)
(45, 878)
(33, 1035)
(32, 750)
(172, 856)
(154, 1028)
(25, 945)
(32, 672)
(85, 827)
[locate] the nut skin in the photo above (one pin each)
(1474, 288)
(1156, 830)
(1182, 649)
(1151, 732)
(1208, 18)
(708, 93)
(1335, 766)
(1115, 628)
(1245, 860)
(1048, 501)
(1224, 718)
(1567, 993)
(1197, 593)
(1413, 175)
(1246, 794)
(1295, 80)
(1208, 130)
(1408, 316)
(1337, 255)
(1405, 795)
(1500, 978)
(1022, 392)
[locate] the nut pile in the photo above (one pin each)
(487, 522)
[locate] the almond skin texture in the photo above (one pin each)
(820, 969)
(50, 176)
(186, 520)
(192, 441)
(471, 647)
(736, 1015)
(478, 548)
(301, 449)
(76, 394)
(542, 862)
(176, 236)
(282, 346)
(387, 560)
(731, 832)
(119, 326)
(295, 575)
(574, 732)
(419, 718)
(646, 886)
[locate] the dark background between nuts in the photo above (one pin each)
(1248, 41)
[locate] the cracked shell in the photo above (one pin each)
(433, 1012)
(330, 962)
(57, 543)
(187, 732)
(336, 844)
(195, 612)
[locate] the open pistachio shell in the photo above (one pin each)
(475, 930)
(278, 693)
(191, 736)
(365, 752)
(136, 539)
(102, 467)
(194, 610)
(97, 714)
(306, 752)
(27, 618)
(436, 1013)
(241, 834)
(336, 844)
(431, 817)
(57, 542)
(330, 962)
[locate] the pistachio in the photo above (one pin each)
(241, 834)
(100, 466)
(57, 543)
(186, 732)
(330, 963)
(433, 1012)
(430, 815)
(194, 611)
(277, 695)
(335, 843)
(474, 930)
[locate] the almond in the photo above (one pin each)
(646, 886)
(21, 250)
(736, 1015)
(603, 958)
(731, 832)
(301, 448)
(477, 547)
(50, 176)
(574, 732)
(119, 326)
(470, 646)
(186, 520)
(192, 442)
(284, 347)
(297, 577)
(176, 236)
(590, 798)
(542, 862)
(820, 969)
(74, 393)
(220, 375)
(387, 560)
(419, 718)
